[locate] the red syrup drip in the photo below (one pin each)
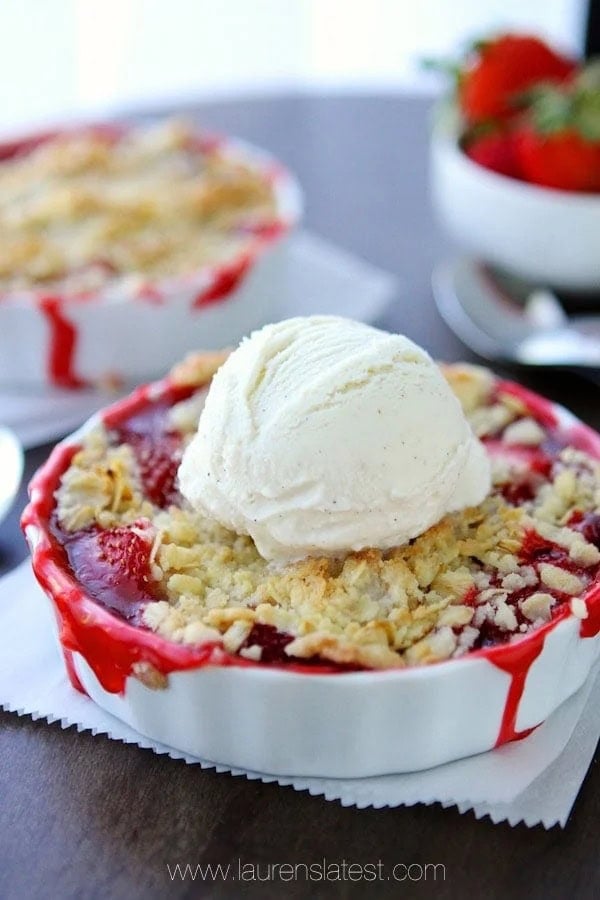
(229, 276)
(63, 343)
(516, 661)
(225, 281)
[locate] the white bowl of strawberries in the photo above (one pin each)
(515, 163)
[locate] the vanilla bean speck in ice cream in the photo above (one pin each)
(322, 435)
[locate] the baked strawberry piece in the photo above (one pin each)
(115, 565)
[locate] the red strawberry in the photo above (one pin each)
(502, 69)
(495, 151)
(114, 564)
(558, 143)
(563, 160)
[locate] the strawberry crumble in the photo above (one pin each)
(481, 577)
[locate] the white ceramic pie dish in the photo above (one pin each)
(133, 328)
(294, 721)
(546, 236)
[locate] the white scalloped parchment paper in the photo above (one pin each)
(532, 781)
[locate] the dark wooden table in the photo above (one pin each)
(82, 816)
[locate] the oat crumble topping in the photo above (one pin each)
(475, 578)
(84, 208)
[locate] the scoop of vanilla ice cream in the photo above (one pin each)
(321, 435)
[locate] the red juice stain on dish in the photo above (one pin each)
(63, 344)
(226, 279)
(516, 660)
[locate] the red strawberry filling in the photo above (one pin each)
(273, 644)
(157, 452)
(271, 641)
(158, 464)
(114, 565)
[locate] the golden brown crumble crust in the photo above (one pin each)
(81, 209)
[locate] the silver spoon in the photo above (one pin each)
(11, 469)
(537, 333)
